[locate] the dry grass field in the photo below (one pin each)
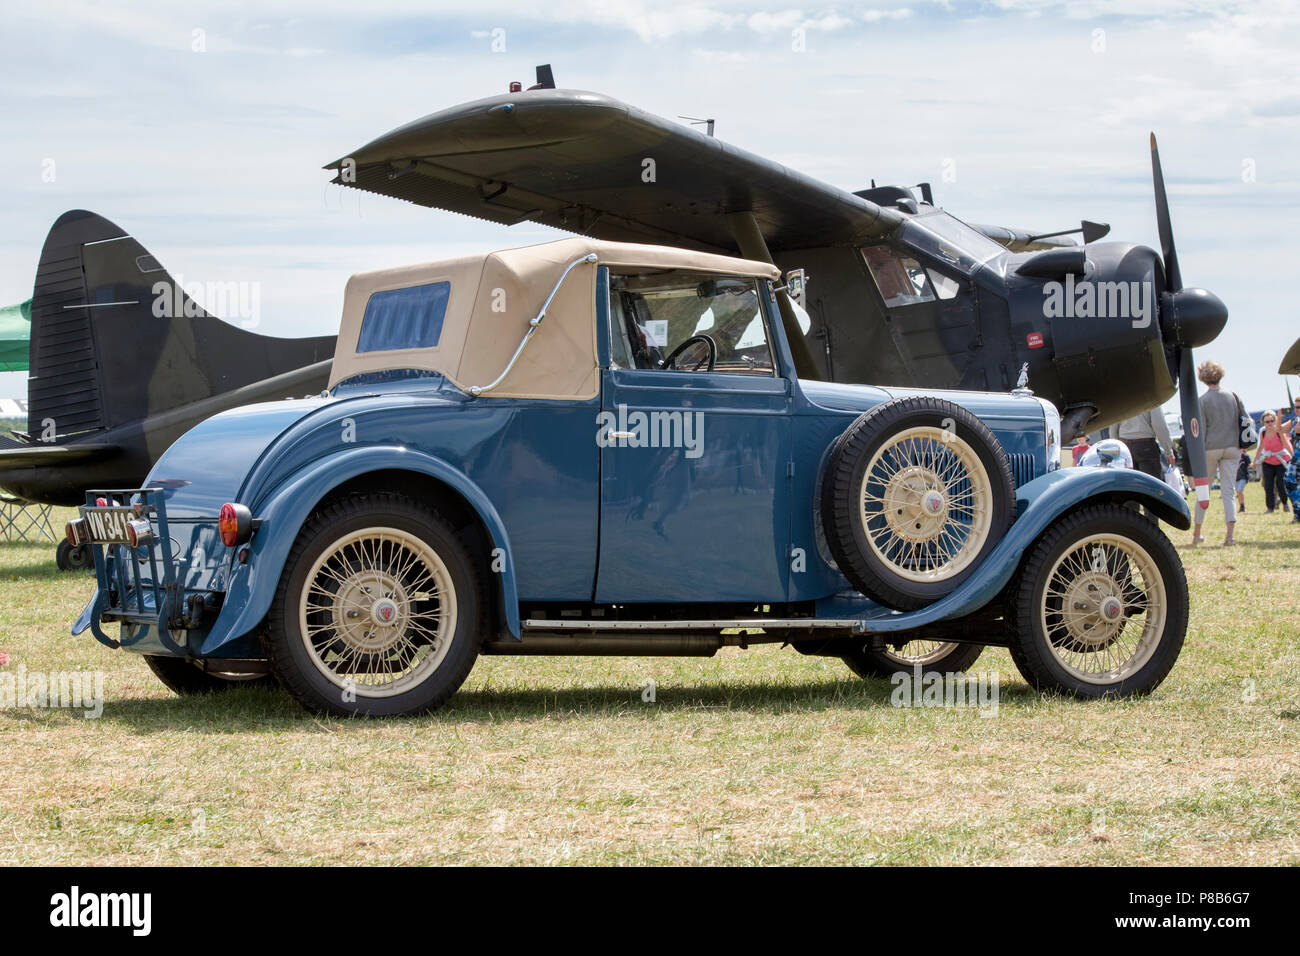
(751, 757)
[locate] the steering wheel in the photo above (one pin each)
(694, 339)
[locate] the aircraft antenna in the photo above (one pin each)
(707, 123)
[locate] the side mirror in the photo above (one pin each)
(796, 286)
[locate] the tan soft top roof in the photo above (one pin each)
(492, 299)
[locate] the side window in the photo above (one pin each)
(945, 287)
(620, 350)
(900, 278)
(682, 321)
(409, 318)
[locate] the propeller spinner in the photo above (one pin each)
(1188, 318)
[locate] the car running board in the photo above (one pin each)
(678, 638)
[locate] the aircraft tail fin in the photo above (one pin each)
(115, 339)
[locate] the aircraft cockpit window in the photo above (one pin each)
(950, 240)
(944, 286)
(901, 279)
(688, 322)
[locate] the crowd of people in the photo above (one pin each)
(1232, 449)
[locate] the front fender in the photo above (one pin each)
(253, 585)
(1040, 502)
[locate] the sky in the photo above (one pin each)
(201, 128)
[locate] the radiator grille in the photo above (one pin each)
(1022, 468)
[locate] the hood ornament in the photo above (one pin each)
(1022, 383)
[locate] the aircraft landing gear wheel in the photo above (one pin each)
(933, 657)
(69, 558)
(916, 494)
(1100, 606)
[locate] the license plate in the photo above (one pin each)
(108, 525)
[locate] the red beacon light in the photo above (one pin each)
(234, 524)
(516, 86)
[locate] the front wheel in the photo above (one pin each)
(378, 612)
(1100, 606)
(186, 678)
(939, 657)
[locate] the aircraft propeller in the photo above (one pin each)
(1188, 318)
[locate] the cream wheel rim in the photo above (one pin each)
(377, 612)
(1103, 608)
(919, 653)
(925, 501)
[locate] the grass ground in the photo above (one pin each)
(758, 756)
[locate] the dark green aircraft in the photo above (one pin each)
(123, 361)
(883, 286)
(898, 291)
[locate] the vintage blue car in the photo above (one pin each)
(589, 447)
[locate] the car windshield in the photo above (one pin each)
(658, 313)
(950, 240)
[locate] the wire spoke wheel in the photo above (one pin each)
(378, 612)
(1103, 609)
(925, 504)
(916, 493)
(919, 653)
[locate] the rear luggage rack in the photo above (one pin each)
(123, 594)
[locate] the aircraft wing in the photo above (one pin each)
(589, 164)
(1291, 361)
(1023, 240)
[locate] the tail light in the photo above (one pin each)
(234, 524)
(139, 532)
(76, 532)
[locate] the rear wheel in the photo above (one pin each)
(1100, 606)
(941, 657)
(186, 678)
(378, 612)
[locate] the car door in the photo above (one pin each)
(695, 494)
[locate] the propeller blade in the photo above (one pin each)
(1193, 428)
(1173, 277)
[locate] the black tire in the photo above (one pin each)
(845, 520)
(69, 558)
(947, 659)
(1039, 657)
(184, 677)
(300, 664)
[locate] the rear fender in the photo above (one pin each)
(253, 585)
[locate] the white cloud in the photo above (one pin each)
(213, 160)
(875, 16)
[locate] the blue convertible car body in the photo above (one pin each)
(645, 475)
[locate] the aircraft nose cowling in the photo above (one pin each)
(1191, 318)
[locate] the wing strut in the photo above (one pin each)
(752, 245)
